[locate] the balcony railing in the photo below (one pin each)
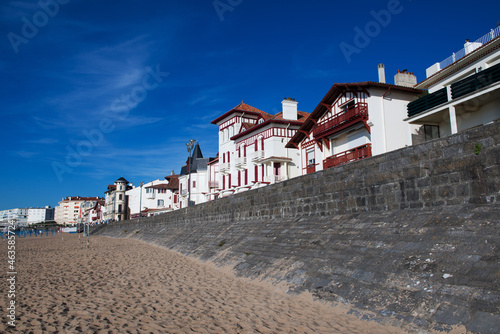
(357, 153)
(311, 168)
(463, 52)
(258, 155)
(355, 114)
(475, 82)
(213, 184)
(184, 192)
(225, 166)
(427, 102)
(241, 162)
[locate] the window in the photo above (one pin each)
(120, 197)
(194, 184)
(162, 191)
(346, 106)
(310, 157)
(431, 132)
(160, 202)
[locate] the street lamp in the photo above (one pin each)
(140, 201)
(189, 148)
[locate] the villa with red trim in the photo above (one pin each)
(252, 149)
(356, 121)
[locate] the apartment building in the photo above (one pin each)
(463, 91)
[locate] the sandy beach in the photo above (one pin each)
(126, 286)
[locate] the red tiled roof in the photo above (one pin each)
(173, 182)
(243, 107)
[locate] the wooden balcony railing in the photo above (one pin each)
(357, 153)
(356, 113)
(311, 168)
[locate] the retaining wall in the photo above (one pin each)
(410, 237)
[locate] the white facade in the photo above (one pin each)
(116, 201)
(464, 91)
(69, 209)
(352, 122)
(196, 170)
(151, 198)
(20, 215)
(252, 149)
(39, 215)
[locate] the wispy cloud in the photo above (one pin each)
(44, 141)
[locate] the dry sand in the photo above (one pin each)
(126, 286)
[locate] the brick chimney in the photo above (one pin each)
(289, 109)
(405, 78)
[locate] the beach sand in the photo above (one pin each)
(127, 286)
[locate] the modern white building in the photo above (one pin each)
(463, 91)
(355, 121)
(152, 198)
(252, 150)
(39, 215)
(19, 215)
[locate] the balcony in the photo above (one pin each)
(151, 195)
(475, 82)
(241, 162)
(225, 167)
(427, 102)
(258, 155)
(357, 153)
(184, 192)
(355, 114)
(213, 184)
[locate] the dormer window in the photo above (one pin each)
(260, 121)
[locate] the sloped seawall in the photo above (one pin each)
(410, 237)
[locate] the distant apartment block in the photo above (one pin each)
(69, 210)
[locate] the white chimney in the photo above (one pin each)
(405, 78)
(289, 109)
(381, 73)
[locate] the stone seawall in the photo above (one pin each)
(410, 237)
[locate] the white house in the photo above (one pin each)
(464, 91)
(151, 198)
(355, 121)
(91, 211)
(195, 170)
(252, 149)
(116, 201)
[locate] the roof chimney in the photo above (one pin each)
(289, 109)
(405, 78)
(381, 73)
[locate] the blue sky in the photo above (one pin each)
(95, 90)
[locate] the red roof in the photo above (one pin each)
(244, 108)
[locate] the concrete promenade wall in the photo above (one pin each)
(410, 237)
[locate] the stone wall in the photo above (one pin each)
(410, 237)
